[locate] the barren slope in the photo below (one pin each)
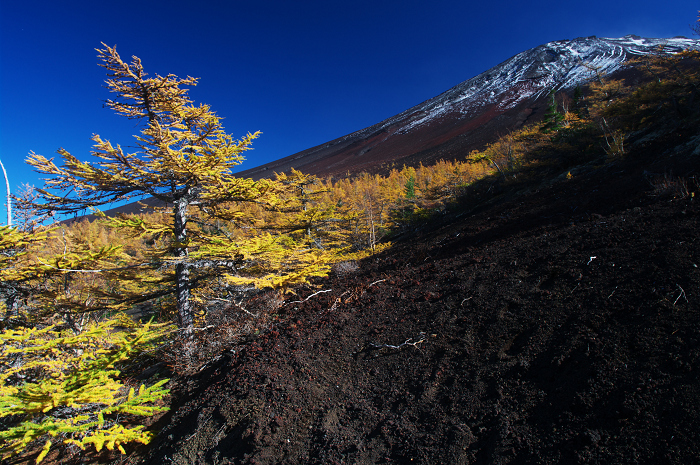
(560, 325)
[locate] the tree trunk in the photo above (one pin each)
(184, 303)
(182, 268)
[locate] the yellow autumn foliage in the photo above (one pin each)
(66, 387)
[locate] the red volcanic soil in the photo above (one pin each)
(395, 142)
(450, 137)
(560, 325)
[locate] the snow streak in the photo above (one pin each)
(531, 74)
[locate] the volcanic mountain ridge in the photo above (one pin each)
(470, 115)
(475, 112)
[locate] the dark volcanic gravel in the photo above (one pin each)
(559, 326)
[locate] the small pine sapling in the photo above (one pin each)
(59, 387)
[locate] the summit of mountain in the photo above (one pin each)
(477, 111)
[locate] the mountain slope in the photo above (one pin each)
(543, 320)
(559, 325)
(476, 111)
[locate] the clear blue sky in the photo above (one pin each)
(302, 72)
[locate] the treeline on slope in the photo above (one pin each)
(223, 260)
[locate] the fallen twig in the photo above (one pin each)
(682, 294)
(186, 330)
(376, 282)
(406, 343)
(236, 304)
(314, 294)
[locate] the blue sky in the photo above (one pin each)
(302, 72)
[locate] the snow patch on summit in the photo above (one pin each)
(534, 73)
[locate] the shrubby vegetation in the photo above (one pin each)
(65, 386)
(219, 258)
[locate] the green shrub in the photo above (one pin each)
(65, 388)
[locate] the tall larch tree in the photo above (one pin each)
(184, 159)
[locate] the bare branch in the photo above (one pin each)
(682, 294)
(237, 304)
(312, 295)
(408, 342)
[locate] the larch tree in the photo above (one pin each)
(184, 159)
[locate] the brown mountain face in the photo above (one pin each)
(544, 322)
(475, 112)
(380, 148)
